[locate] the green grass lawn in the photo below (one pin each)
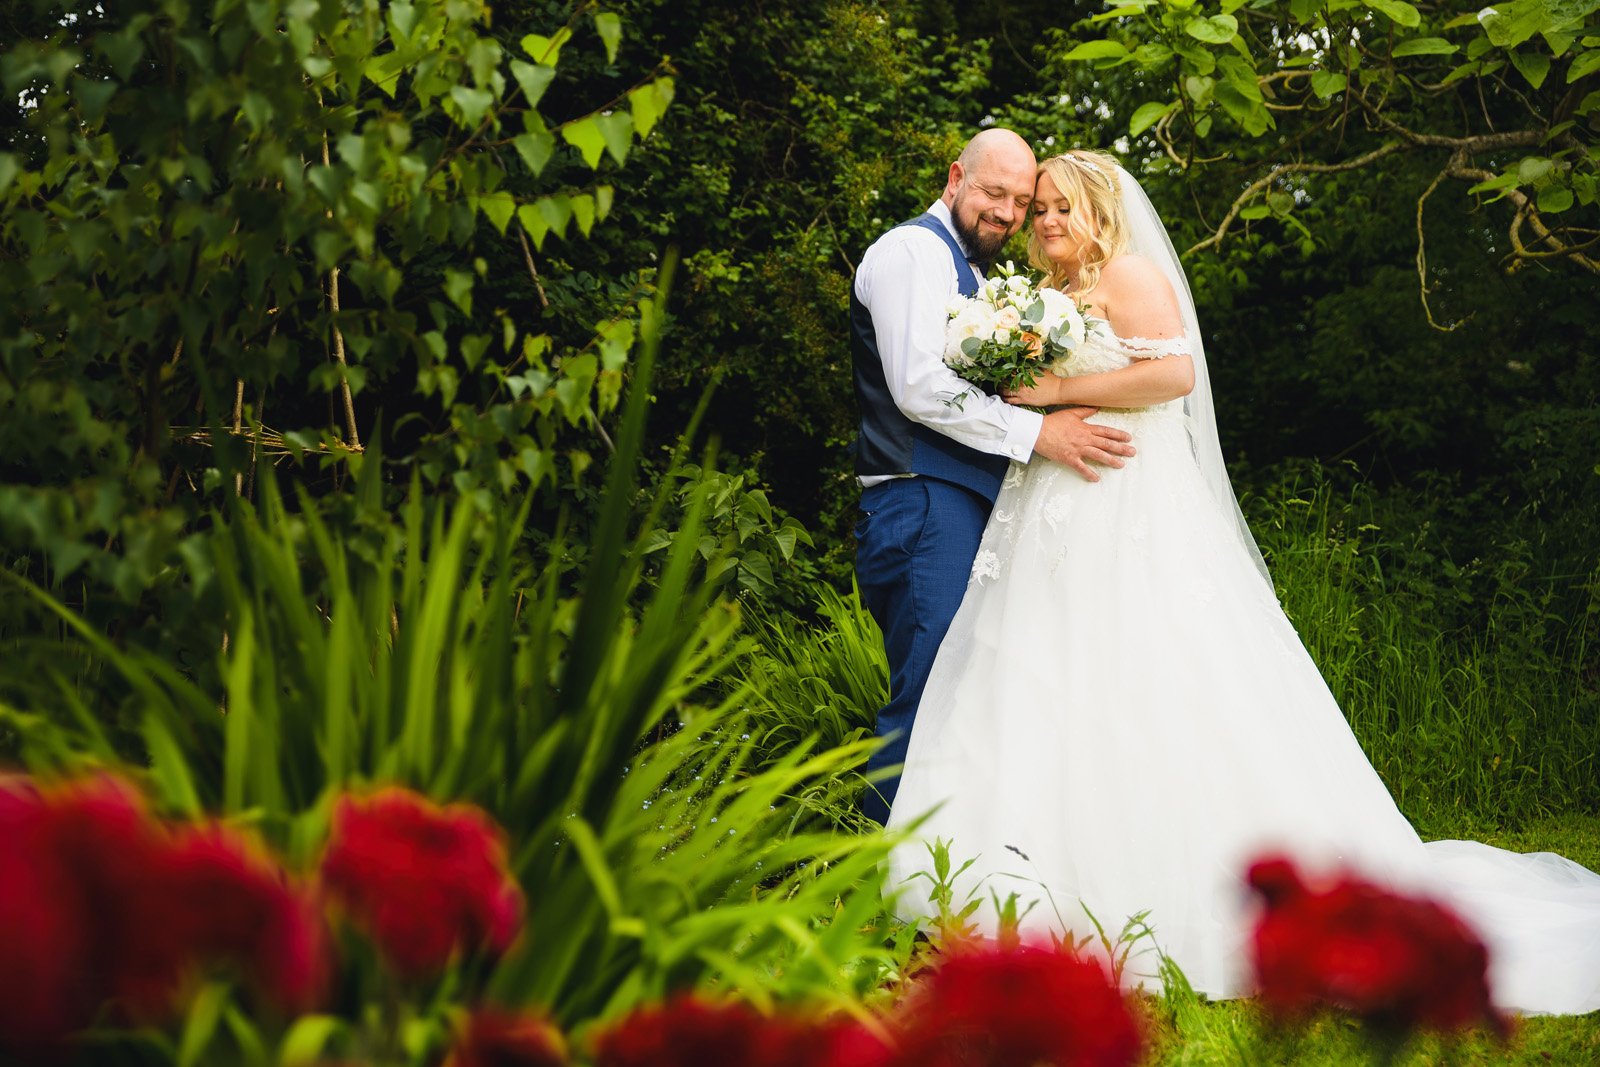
(1197, 1032)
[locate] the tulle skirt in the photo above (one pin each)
(1121, 718)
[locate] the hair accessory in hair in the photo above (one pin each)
(1087, 163)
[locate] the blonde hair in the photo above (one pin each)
(1089, 181)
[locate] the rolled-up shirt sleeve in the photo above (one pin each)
(906, 281)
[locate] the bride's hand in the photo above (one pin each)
(1041, 394)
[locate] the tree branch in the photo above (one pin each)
(1291, 168)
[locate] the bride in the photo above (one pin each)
(1121, 717)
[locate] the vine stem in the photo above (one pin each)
(338, 336)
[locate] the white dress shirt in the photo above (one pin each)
(905, 280)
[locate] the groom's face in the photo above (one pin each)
(991, 202)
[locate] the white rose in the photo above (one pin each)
(956, 306)
(1018, 284)
(1007, 318)
(1001, 337)
(974, 320)
(1060, 313)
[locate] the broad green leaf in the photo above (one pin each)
(498, 208)
(534, 149)
(1399, 11)
(1199, 58)
(617, 129)
(384, 71)
(585, 135)
(556, 210)
(534, 224)
(1562, 12)
(403, 18)
(1148, 115)
(1424, 46)
(1534, 66)
(1280, 202)
(1532, 168)
(1587, 63)
(1554, 198)
(609, 27)
(534, 79)
(546, 49)
(1097, 50)
(1558, 42)
(1218, 29)
(1255, 211)
(458, 287)
(1242, 76)
(603, 195)
(1198, 88)
(583, 213)
(646, 104)
(1327, 82)
(474, 103)
(9, 169)
(1511, 24)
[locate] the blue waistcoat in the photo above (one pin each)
(890, 443)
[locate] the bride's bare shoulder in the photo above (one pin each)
(1129, 275)
(1131, 270)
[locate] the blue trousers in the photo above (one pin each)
(914, 549)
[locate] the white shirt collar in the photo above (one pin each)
(941, 211)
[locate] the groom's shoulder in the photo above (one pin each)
(909, 237)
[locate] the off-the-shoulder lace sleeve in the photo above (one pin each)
(1153, 348)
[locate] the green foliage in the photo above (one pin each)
(653, 854)
(1251, 80)
(1469, 686)
(188, 190)
(760, 552)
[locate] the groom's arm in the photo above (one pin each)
(906, 280)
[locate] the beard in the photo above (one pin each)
(982, 246)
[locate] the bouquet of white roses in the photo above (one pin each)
(1000, 338)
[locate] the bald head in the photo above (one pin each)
(1002, 149)
(989, 189)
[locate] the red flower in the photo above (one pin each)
(101, 903)
(690, 1032)
(494, 1037)
(218, 897)
(421, 880)
(1020, 1005)
(1397, 961)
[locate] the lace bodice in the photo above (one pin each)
(1103, 351)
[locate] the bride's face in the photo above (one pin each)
(1062, 231)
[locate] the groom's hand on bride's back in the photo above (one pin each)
(1068, 437)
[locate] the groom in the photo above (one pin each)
(930, 470)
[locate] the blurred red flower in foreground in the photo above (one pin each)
(494, 1037)
(1023, 1005)
(982, 1006)
(1398, 962)
(690, 1032)
(421, 880)
(100, 902)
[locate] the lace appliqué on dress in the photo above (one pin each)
(1156, 348)
(985, 565)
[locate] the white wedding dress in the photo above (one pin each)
(1121, 715)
